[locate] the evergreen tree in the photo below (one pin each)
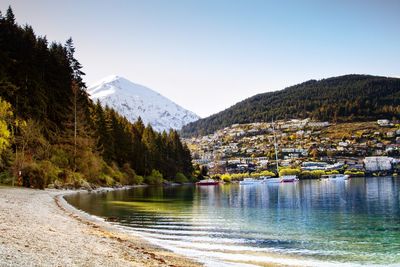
(10, 18)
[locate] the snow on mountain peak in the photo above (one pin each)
(133, 100)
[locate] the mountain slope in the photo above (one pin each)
(343, 98)
(133, 100)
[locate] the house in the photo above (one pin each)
(309, 165)
(390, 134)
(383, 122)
(378, 163)
(343, 144)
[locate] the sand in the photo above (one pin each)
(38, 228)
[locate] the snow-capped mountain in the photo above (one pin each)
(133, 100)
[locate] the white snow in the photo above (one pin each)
(133, 100)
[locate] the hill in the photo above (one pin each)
(339, 99)
(133, 101)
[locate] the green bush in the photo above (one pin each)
(288, 171)
(180, 178)
(76, 179)
(316, 174)
(60, 158)
(155, 178)
(131, 176)
(106, 179)
(50, 171)
(226, 177)
(7, 178)
(332, 172)
(239, 176)
(193, 179)
(90, 165)
(262, 173)
(138, 179)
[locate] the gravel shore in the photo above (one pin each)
(38, 228)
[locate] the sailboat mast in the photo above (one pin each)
(276, 148)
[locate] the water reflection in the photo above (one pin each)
(355, 221)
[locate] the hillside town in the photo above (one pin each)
(366, 148)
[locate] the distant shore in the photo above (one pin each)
(39, 228)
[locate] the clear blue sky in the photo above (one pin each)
(208, 55)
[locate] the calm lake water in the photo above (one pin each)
(309, 223)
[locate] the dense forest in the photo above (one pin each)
(339, 99)
(51, 133)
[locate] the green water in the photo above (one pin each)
(309, 223)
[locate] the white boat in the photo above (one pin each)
(288, 178)
(249, 181)
(272, 180)
(283, 178)
(336, 177)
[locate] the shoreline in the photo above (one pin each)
(40, 228)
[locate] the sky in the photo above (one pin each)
(207, 55)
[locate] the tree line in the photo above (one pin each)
(52, 133)
(339, 99)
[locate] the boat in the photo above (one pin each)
(283, 178)
(271, 180)
(207, 182)
(288, 178)
(337, 177)
(249, 181)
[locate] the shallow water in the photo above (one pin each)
(309, 223)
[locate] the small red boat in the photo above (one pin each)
(207, 182)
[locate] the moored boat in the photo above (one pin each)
(207, 182)
(289, 178)
(249, 181)
(336, 177)
(283, 178)
(272, 180)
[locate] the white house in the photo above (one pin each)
(378, 163)
(383, 122)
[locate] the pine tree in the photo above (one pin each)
(10, 18)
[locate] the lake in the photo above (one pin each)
(308, 223)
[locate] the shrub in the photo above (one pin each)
(239, 176)
(262, 173)
(33, 176)
(193, 179)
(106, 180)
(288, 171)
(226, 177)
(155, 178)
(131, 176)
(90, 165)
(50, 171)
(60, 158)
(7, 178)
(76, 179)
(316, 174)
(138, 179)
(332, 172)
(180, 178)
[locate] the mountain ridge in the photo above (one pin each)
(133, 100)
(342, 98)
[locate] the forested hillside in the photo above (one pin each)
(339, 99)
(52, 133)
